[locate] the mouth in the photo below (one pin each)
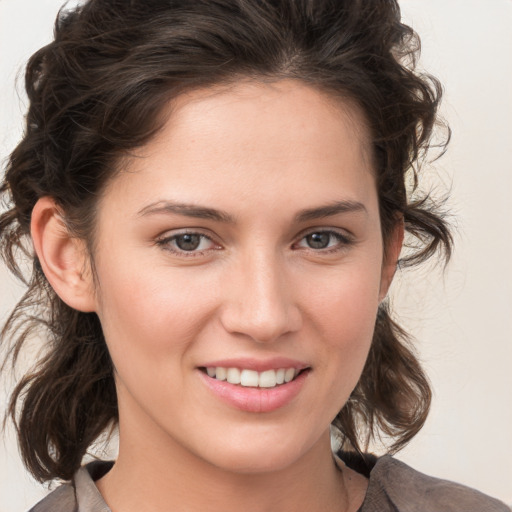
(255, 386)
(248, 378)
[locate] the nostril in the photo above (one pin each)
(261, 326)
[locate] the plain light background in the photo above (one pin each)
(462, 319)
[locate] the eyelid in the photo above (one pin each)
(345, 239)
(166, 238)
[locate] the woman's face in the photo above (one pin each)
(242, 242)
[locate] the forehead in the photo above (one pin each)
(285, 113)
(281, 140)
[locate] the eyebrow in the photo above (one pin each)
(201, 212)
(330, 210)
(188, 210)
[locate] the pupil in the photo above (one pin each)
(318, 240)
(188, 242)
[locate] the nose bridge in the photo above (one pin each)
(261, 305)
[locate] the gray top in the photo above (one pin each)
(393, 487)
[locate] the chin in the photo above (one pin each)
(259, 453)
(256, 461)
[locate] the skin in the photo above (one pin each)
(255, 288)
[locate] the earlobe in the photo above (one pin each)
(391, 256)
(63, 257)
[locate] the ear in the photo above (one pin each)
(63, 258)
(391, 254)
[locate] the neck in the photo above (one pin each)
(154, 481)
(154, 471)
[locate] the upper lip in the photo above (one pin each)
(259, 365)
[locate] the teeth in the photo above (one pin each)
(249, 378)
(220, 373)
(233, 375)
(268, 379)
(289, 374)
(252, 378)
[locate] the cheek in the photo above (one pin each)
(145, 314)
(347, 301)
(344, 311)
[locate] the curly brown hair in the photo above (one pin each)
(96, 92)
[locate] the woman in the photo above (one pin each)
(216, 196)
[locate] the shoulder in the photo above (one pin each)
(396, 487)
(80, 495)
(61, 499)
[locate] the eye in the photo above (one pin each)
(322, 240)
(188, 241)
(183, 243)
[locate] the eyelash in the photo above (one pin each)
(166, 241)
(343, 242)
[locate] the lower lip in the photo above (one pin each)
(255, 399)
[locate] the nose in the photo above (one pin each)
(259, 300)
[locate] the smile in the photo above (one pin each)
(250, 390)
(252, 378)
